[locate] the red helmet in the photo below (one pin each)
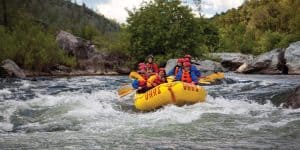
(187, 60)
(180, 60)
(188, 56)
(187, 64)
(162, 69)
(142, 66)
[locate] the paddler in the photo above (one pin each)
(186, 74)
(141, 84)
(188, 58)
(175, 70)
(151, 66)
(157, 79)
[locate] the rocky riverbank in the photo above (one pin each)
(89, 60)
(277, 61)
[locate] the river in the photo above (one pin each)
(86, 113)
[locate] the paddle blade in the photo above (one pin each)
(170, 79)
(127, 92)
(135, 75)
(124, 90)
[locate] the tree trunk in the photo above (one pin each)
(5, 23)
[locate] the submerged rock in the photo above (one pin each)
(293, 101)
(292, 56)
(11, 69)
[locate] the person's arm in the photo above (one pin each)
(194, 78)
(178, 76)
(196, 71)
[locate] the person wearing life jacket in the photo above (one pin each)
(151, 66)
(186, 74)
(157, 79)
(143, 70)
(141, 85)
(188, 58)
(175, 70)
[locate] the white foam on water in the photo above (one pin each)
(5, 91)
(263, 123)
(241, 108)
(97, 112)
(26, 84)
(7, 108)
(187, 114)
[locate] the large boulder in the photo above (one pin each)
(76, 46)
(208, 66)
(232, 61)
(266, 63)
(171, 63)
(292, 56)
(293, 101)
(11, 69)
(89, 59)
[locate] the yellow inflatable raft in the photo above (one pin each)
(212, 77)
(178, 93)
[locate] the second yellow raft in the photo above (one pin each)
(178, 93)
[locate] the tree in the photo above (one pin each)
(5, 22)
(163, 27)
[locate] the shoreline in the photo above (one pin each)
(31, 74)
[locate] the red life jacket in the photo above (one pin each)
(152, 67)
(145, 76)
(142, 83)
(186, 77)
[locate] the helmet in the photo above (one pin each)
(187, 64)
(187, 60)
(180, 60)
(142, 66)
(162, 69)
(188, 56)
(150, 56)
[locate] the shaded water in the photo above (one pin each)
(86, 113)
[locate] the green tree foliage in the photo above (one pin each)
(60, 15)
(31, 47)
(29, 30)
(164, 28)
(259, 26)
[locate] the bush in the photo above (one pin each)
(32, 47)
(268, 41)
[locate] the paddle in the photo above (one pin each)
(127, 89)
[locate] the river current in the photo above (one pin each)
(86, 113)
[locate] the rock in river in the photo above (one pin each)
(292, 56)
(293, 100)
(11, 69)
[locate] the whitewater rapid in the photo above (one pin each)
(86, 113)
